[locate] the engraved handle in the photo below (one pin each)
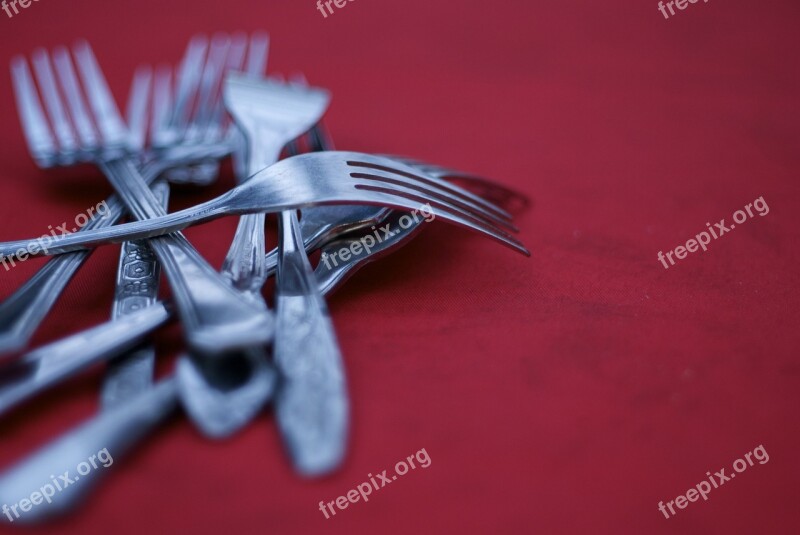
(214, 315)
(138, 276)
(312, 407)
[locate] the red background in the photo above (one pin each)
(566, 393)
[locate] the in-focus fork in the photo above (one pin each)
(319, 178)
(214, 315)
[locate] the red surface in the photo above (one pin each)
(567, 393)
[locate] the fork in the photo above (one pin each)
(24, 310)
(325, 224)
(332, 274)
(214, 316)
(143, 412)
(311, 407)
(332, 177)
(218, 403)
(270, 115)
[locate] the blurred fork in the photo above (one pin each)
(310, 179)
(222, 398)
(214, 316)
(312, 404)
(218, 401)
(270, 115)
(24, 310)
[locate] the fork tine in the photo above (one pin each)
(53, 103)
(211, 79)
(41, 143)
(77, 106)
(188, 79)
(444, 210)
(136, 113)
(234, 63)
(162, 104)
(237, 52)
(257, 54)
(106, 114)
(478, 211)
(438, 187)
(436, 182)
(439, 183)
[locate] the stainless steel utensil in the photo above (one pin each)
(214, 316)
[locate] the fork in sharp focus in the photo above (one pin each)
(332, 177)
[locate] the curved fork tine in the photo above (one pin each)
(438, 193)
(468, 197)
(494, 192)
(510, 199)
(445, 210)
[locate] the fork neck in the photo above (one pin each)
(264, 147)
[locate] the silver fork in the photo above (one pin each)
(270, 115)
(310, 179)
(218, 402)
(24, 310)
(312, 405)
(323, 225)
(221, 399)
(138, 276)
(331, 272)
(213, 314)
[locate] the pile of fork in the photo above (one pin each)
(240, 354)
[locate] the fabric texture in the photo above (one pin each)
(569, 392)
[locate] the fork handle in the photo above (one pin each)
(138, 275)
(245, 264)
(116, 431)
(312, 406)
(215, 316)
(24, 311)
(48, 365)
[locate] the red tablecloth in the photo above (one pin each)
(566, 393)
